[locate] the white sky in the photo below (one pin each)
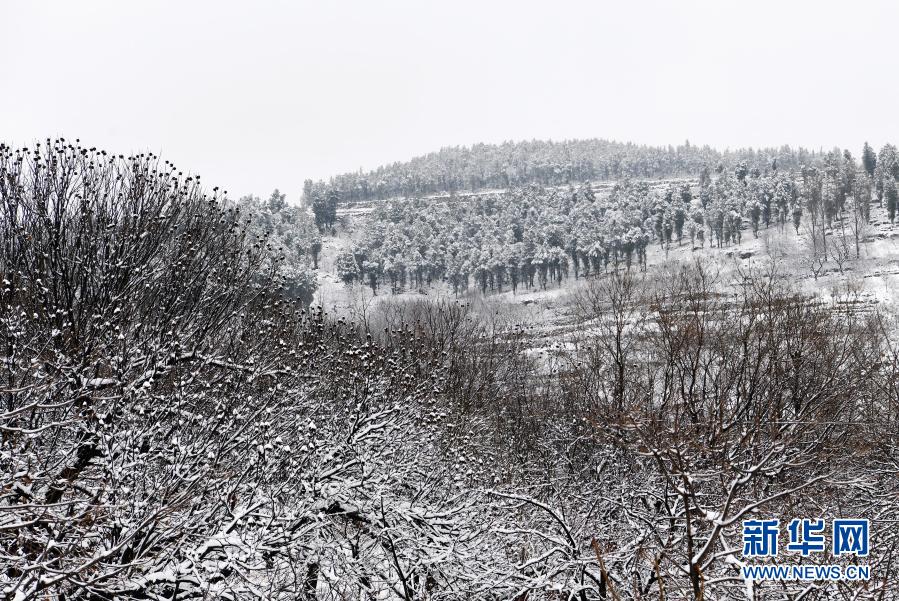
(255, 95)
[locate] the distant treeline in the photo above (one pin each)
(547, 163)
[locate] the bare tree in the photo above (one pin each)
(612, 307)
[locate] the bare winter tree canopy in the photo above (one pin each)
(533, 362)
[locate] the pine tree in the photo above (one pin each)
(869, 159)
(308, 188)
(347, 270)
(324, 207)
(892, 197)
(276, 201)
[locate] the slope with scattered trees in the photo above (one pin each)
(535, 236)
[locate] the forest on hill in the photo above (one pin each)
(537, 236)
(514, 164)
(177, 422)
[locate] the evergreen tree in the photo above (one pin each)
(347, 269)
(276, 201)
(324, 207)
(892, 198)
(869, 159)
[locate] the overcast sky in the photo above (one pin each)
(256, 95)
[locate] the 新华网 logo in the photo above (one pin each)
(848, 537)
